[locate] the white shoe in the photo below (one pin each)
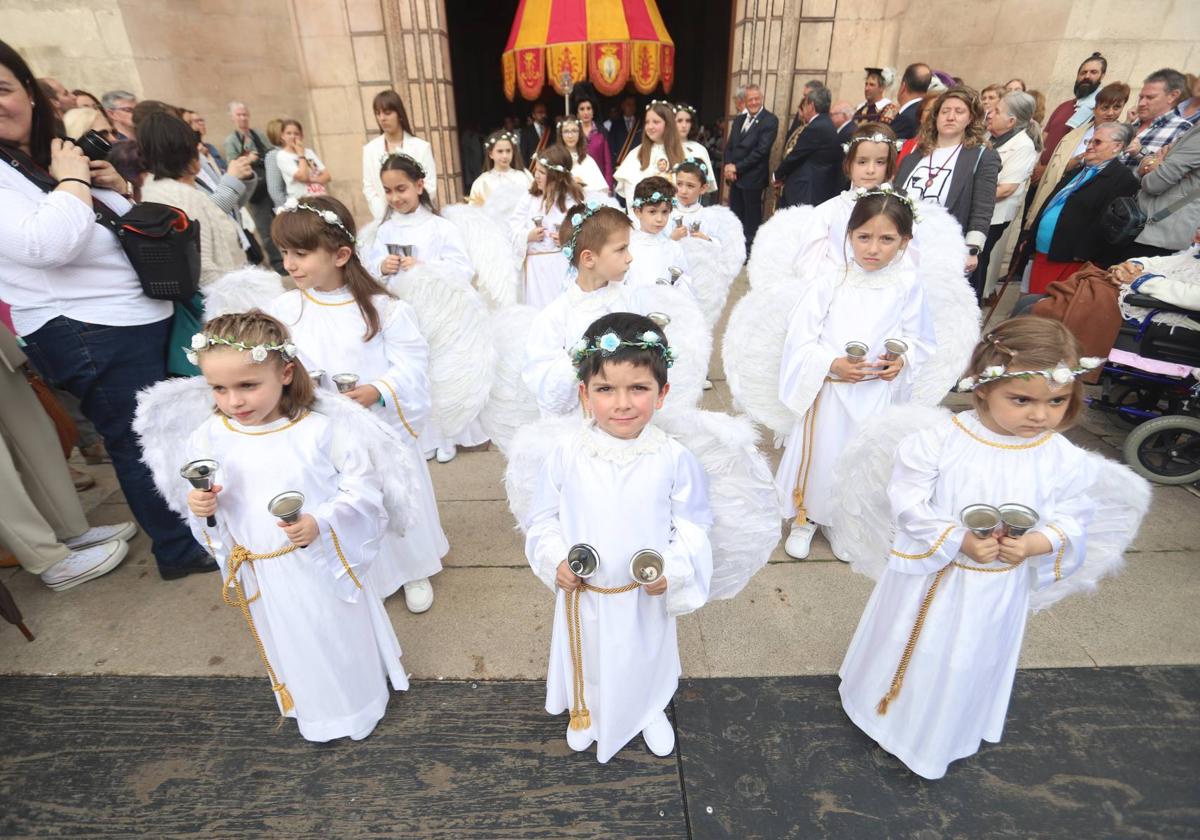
(660, 735)
(418, 595)
(580, 739)
(84, 565)
(799, 541)
(828, 532)
(102, 534)
(445, 454)
(430, 454)
(707, 384)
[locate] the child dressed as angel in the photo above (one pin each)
(621, 486)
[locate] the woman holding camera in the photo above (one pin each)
(76, 300)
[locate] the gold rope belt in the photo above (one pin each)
(239, 555)
(807, 432)
(581, 718)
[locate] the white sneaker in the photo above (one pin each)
(430, 454)
(445, 454)
(799, 541)
(418, 595)
(828, 532)
(580, 739)
(707, 384)
(102, 534)
(660, 735)
(84, 565)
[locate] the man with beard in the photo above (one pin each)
(1074, 112)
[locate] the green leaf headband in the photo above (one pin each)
(577, 221)
(655, 198)
(696, 161)
(258, 353)
(554, 166)
(1056, 377)
(327, 216)
(610, 343)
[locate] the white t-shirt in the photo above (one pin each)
(930, 181)
(289, 163)
(55, 259)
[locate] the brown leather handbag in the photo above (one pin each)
(1087, 304)
(64, 426)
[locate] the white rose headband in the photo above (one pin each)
(409, 158)
(877, 137)
(1056, 377)
(889, 191)
(327, 216)
(258, 353)
(661, 102)
(543, 162)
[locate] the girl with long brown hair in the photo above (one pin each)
(396, 135)
(660, 151)
(356, 337)
(533, 228)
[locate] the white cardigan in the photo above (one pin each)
(372, 156)
(55, 259)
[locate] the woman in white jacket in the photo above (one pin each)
(396, 136)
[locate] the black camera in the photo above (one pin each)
(94, 146)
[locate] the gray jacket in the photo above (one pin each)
(972, 195)
(1178, 175)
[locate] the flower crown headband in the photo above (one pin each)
(577, 221)
(655, 198)
(258, 353)
(696, 161)
(1056, 377)
(327, 216)
(889, 191)
(688, 108)
(662, 102)
(610, 343)
(543, 162)
(492, 141)
(877, 137)
(406, 156)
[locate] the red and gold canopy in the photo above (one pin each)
(608, 42)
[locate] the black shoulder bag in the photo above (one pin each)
(161, 242)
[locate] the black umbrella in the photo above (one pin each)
(8, 609)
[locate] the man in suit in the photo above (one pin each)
(810, 170)
(625, 131)
(536, 135)
(842, 115)
(913, 87)
(747, 160)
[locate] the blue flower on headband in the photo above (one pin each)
(577, 219)
(609, 342)
(650, 337)
(568, 251)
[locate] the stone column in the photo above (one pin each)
(419, 53)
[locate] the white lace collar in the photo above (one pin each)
(417, 217)
(855, 275)
(600, 444)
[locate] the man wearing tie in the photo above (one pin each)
(536, 135)
(747, 160)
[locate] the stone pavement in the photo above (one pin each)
(786, 632)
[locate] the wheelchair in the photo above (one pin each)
(1160, 403)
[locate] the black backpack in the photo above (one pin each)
(161, 242)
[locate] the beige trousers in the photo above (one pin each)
(38, 503)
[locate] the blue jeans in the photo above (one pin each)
(105, 367)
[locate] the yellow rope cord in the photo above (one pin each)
(337, 546)
(906, 657)
(933, 549)
(396, 402)
(1062, 549)
(807, 433)
(581, 718)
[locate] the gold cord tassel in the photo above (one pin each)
(906, 657)
(807, 433)
(581, 718)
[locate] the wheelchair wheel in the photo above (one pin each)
(1166, 450)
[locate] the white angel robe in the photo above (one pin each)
(494, 179)
(630, 173)
(322, 624)
(958, 682)
(328, 329)
(839, 305)
(544, 269)
(657, 492)
(587, 173)
(653, 255)
(436, 242)
(548, 371)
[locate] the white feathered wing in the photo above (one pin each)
(715, 264)
(490, 253)
(510, 406)
(241, 291)
(690, 337)
(775, 257)
(462, 360)
(169, 411)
